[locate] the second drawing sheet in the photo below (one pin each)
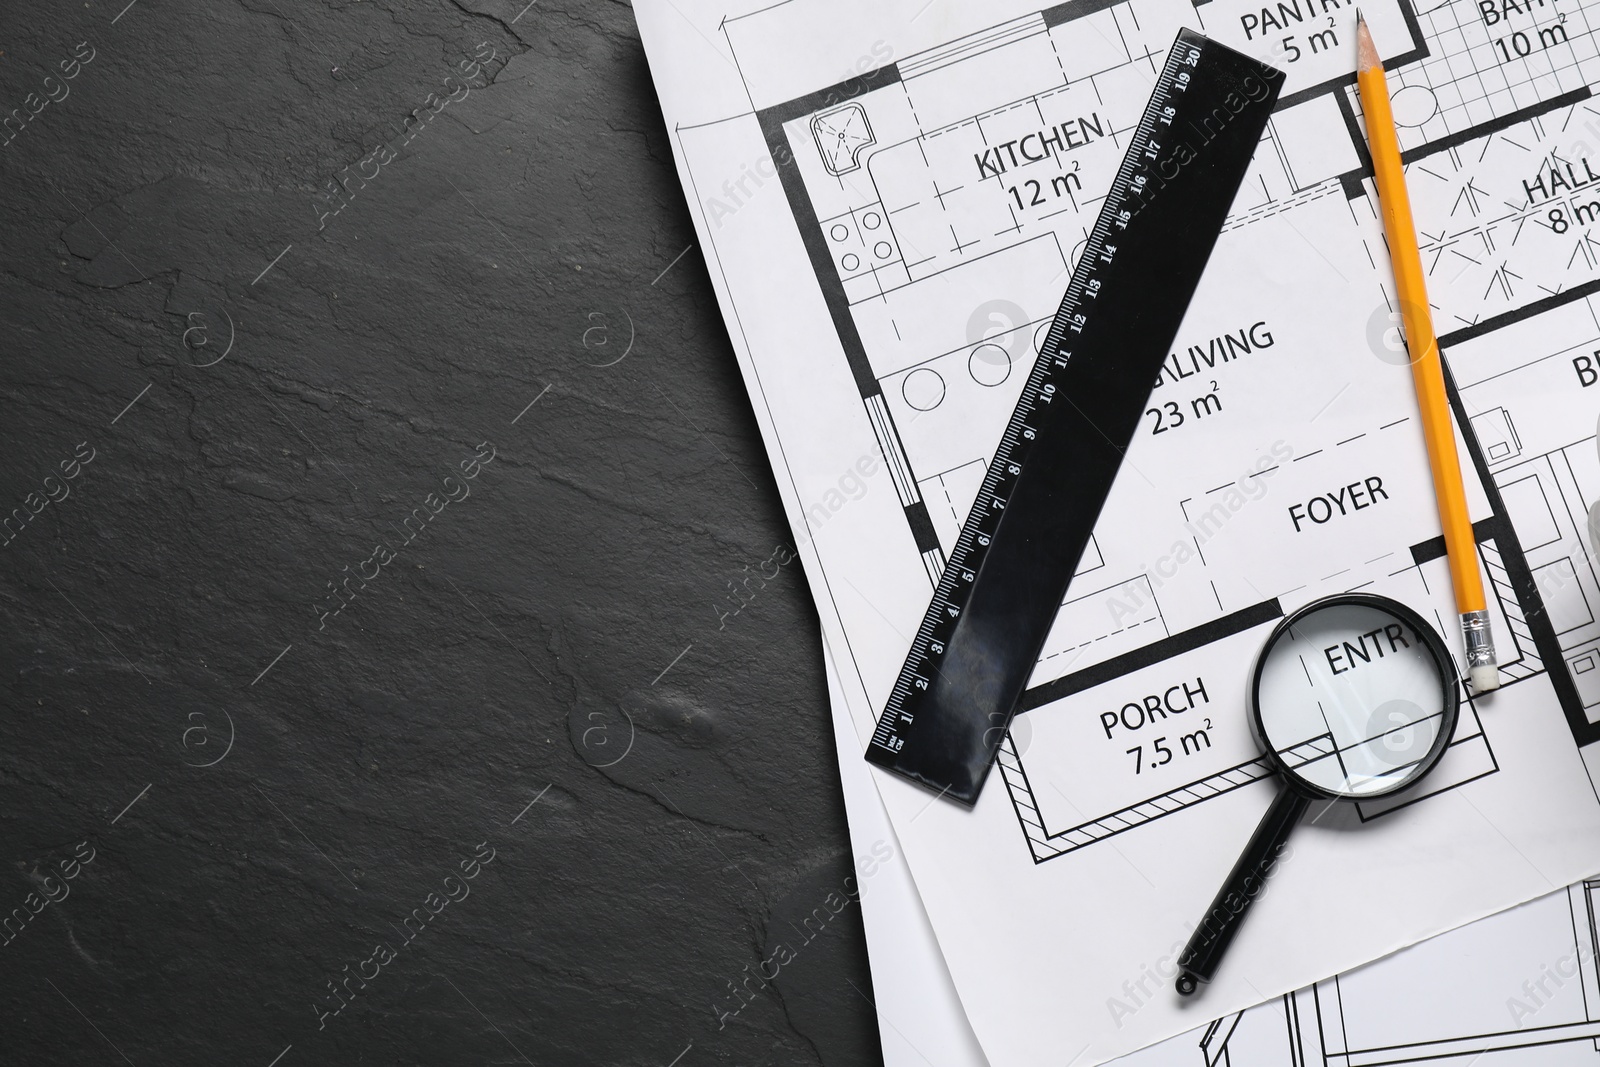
(891, 200)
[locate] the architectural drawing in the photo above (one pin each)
(1537, 1002)
(921, 203)
(1520, 987)
(887, 281)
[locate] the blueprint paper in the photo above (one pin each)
(1517, 988)
(889, 198)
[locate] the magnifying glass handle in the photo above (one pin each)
(1248, 878)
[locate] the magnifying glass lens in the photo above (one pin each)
(1352, 700)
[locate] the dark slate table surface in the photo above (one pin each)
(376, 466)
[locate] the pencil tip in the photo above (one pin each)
(1366, 51)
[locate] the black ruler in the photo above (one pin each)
(1081, 406)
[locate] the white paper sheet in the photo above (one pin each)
(884, 286)
(1517, 988)
(920, 1020)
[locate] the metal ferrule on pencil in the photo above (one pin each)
(1480, 641)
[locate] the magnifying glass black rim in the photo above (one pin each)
(1450, 686)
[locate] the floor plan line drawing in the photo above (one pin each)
(855, 271)
(923, 208)
(1549, 1013)
(1518, 988)
(1472, 756)
(842, 132)
(851, 215)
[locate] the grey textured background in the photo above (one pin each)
(269, 793)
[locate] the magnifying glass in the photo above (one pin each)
(1353, 697)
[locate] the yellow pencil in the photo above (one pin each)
(1426, 370)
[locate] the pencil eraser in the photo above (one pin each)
(1484, 678)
